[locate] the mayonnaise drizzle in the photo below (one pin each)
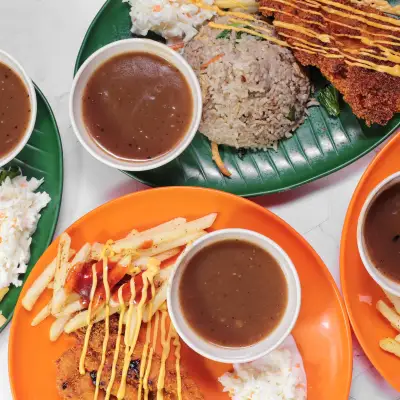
(165, 342)
(143, 359)
(107, 323)
(385, 54)
(152, 350)
(147, 277)
(177, 345)
(117, 344)
(89, 323)
(130, 315)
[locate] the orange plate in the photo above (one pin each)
(358, 287)
(322, 332)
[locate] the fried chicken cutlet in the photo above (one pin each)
(373, 96)
(73, 386)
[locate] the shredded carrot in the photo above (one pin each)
(213, 60)
(157, 8)
(218, 160)
(177, 46)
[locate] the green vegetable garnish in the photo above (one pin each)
(329, 98)
(224, 34)
(292, 114)
(11, 173)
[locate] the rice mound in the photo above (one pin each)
(253, 96)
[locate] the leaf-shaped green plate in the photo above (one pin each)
(320, 146)
(40, 158)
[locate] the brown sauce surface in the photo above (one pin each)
(233, 293)
(15, 109)
(382, 232)
(137, 106)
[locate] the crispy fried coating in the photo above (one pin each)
(373, 96)
(72, 386)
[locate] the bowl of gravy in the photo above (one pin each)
(17, 108)
(378, 234)
(234, 296)
(135, 104)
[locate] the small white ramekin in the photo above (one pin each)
(383, 281)
(95, 61)
(11, 62)
(235, 354)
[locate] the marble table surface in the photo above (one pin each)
(45, 36)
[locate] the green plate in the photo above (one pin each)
(40, 158)
(322, 145)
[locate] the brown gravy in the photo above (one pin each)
(15, 109)
(233, 293)
(137, 106)
(382, 232)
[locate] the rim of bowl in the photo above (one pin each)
(186, 140)
(32, 101)
(384, 282)
(296, 289)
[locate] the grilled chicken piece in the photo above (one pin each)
(67, 368)
(373, 96)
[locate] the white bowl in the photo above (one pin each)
(95, 61)
(235, 354)
(383, 281)
(11, 62)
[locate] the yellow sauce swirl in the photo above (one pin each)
(166, 346)
(117, 344)
(89, 323)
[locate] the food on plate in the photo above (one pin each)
(20, 207)
(15, 109)
(170, 19)
(254, 92)
(280, 376)
(328, 97)
(355, 46)
(392, 315)
(178, 19)
(112, 297)
(233, 293)
(72, 385)
(381, 232)
(137, 106)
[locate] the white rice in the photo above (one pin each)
(254, 94)
(20, 210)
(278, 376)
(172, 18)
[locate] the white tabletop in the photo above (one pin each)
(45, 36)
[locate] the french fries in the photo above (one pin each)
(391, 346)
(389, 314)
(135, 253)
(42, 315)
(159, 237)
(60, 273)
(394, 300)
(40, 284)
(57, 327)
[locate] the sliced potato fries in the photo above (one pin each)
(57, 327)
(394, 300)
(136, 253)
(61, 272)
(391, 346)
(42, 315)
(3, 320)
(40, 284)
(389, 314)
(164, 236)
